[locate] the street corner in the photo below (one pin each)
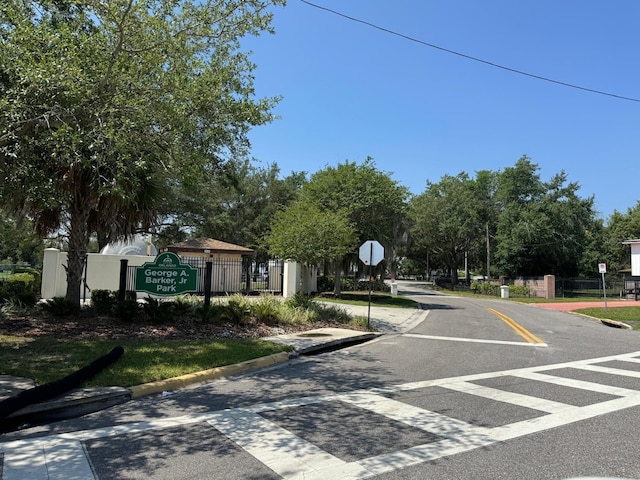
(323, 338)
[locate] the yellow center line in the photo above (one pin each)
(519, 329)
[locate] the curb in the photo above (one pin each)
(615, 324)
(211, 374)
(605, 321)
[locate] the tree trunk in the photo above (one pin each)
(337, 274)
(78, 242)
(453, 273)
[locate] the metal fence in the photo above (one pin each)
(231, 276)
(631, 289)
(589, 287)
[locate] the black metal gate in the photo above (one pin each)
(230, 275)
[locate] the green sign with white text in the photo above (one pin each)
(166, 276)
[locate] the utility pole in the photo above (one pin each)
(488, 254)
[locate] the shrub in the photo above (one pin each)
(13, 307)
(291, 315)
(158, 311)
(60, 307)
(266, 309)
(519, 291)
(485, 288)
(236, 310)
(329, 313)
(185, 305)
(325, 284)
(104, 302)
(20, 287)
(127, 310)
(212, 313)
(300, 300)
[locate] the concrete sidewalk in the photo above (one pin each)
(87, 400)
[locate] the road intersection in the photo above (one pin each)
(452, 393)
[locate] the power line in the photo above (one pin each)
(469, 57)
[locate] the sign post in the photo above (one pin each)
(371, 253)
(166, 276)
(602, 268)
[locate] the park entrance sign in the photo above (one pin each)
(166, 276)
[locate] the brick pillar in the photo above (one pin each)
(549, 286)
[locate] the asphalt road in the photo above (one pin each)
(481, 389)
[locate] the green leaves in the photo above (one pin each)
(107, 102)
(305, 233)
(533, 227)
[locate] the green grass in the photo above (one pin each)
(629, 315)
(377, 299)
(47, 359)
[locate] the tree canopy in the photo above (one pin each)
(307, 234)
(237, 206)
(372, 203)
(448, 218)
(105, 103)
(541, 226)
(511, 219)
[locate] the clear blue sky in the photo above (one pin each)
(350, 90)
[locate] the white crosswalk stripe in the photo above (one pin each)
(527, 401)
(293, 457)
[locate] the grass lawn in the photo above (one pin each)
(48, 359)
(378, 299)
(61, 348)
(629, 315)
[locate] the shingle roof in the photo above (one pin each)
(199, 244)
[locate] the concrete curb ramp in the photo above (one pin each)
(322, 338)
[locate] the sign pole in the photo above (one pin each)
(370, 253)
(602, 267)
(370, 286)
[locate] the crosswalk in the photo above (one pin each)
(267, 432)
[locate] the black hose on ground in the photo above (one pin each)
(58, 387)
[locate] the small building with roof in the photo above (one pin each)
(632, 282)
(228, 264)
(208, 249)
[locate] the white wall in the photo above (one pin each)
(103, 272)
(635, 259)
(291, 279)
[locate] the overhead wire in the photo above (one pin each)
(470, 57)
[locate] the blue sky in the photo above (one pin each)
(351, 91)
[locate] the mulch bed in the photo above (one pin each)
(111, 328)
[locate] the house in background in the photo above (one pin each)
(632, 282)
(228, 266)
(208, 249)
(233, 266)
